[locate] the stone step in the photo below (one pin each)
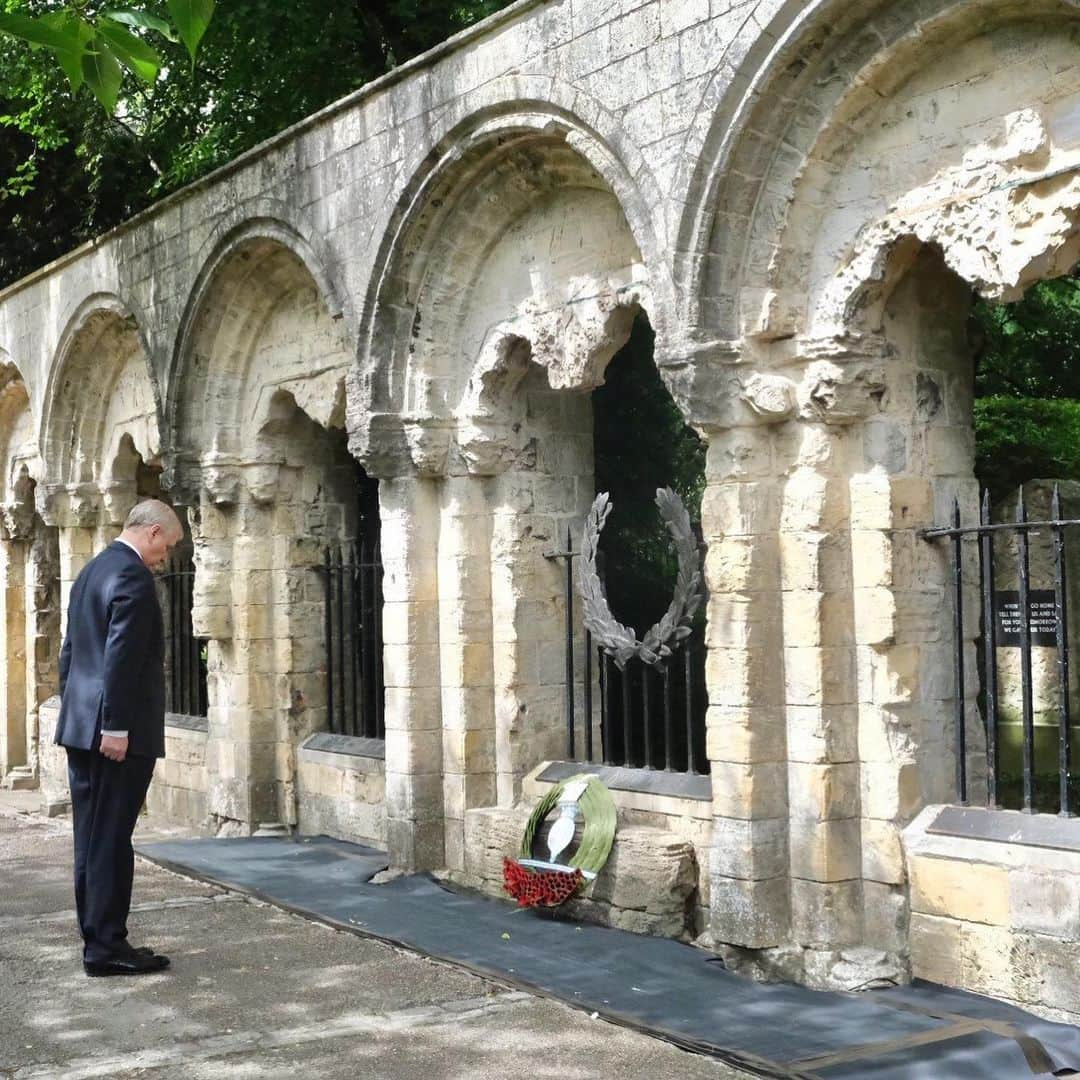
(21, 778)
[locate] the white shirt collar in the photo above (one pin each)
(121, 540)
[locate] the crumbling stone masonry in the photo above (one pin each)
(427, 279)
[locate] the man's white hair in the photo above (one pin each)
(153, 512)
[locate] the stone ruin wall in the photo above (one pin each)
(432, 275)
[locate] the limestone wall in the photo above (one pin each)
(341, 795)
(178, 790)
(995, 918)
(430, 277)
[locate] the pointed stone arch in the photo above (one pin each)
(257, 416)
(29, 589)
(101, 389)
(921, 155)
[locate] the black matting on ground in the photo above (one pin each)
(662, 987)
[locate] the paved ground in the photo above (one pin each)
(259, 994)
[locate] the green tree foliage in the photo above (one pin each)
(641, 442)
(1027, 385)
(70, 171)
(1031, 348)
(1019, 439)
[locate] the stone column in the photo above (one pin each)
(410, 514)
(13, 678)
(749, 884)
(465, 655)
(820, 697)
(233, 554)
(42, 604)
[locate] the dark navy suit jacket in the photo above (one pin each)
(112, 662)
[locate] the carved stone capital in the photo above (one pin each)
(841, 393)
(771, 397)
(429, 440)
(220, 478)
(81, 507)
(262, 481)
(116, 502)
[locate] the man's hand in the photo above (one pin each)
(114, 747)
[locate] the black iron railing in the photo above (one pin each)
(352, 574)
(648, 716)
(185, 654)
(1025, 619)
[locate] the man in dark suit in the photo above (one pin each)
(112, 723)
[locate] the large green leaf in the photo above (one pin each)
(192, 17)
(142, 21)
(43, 31)
(131, 51)
(102, 72)
(78, 30)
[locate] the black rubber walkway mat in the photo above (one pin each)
(659, 986)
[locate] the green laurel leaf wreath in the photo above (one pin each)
(663, 638)
(598, 811)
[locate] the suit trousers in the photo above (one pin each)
(106, 797)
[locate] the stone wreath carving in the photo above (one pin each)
(663, 638)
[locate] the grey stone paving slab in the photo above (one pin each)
(535, 1039)
(257, 992)
(36, 871)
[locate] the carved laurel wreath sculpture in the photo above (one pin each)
(618, 641)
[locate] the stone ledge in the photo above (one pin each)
(1007, 827)
(179, 724)
(647, 781)
(344, 752)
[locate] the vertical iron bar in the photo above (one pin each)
(646, 724)
(569, 644)
(1025, 658)
(178, 637)
(588, 697)
(369, 722)
(353, 621)
(187, 641)
(170, 588)
(958, 654)
(344, 627)
(1061, 613)
(363, 653)
(989, 596)
(339, 640)
(626, 716)
(377, 643)
(329, 630)
(688, 674)
(667, 717)
(359, 631)
(605, 708)
(194, 666)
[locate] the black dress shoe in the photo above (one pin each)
(133, 963)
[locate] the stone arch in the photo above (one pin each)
(503, 138)
(102, 347)
(509, 275)
(835, 65)
(29, 588)
(257, 415)
(924, 155)
(221, 387)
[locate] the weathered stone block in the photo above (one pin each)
(825, 850)
(749, 791)
(753, 850)
(826, 914)
(754, 914)
(973, 892)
